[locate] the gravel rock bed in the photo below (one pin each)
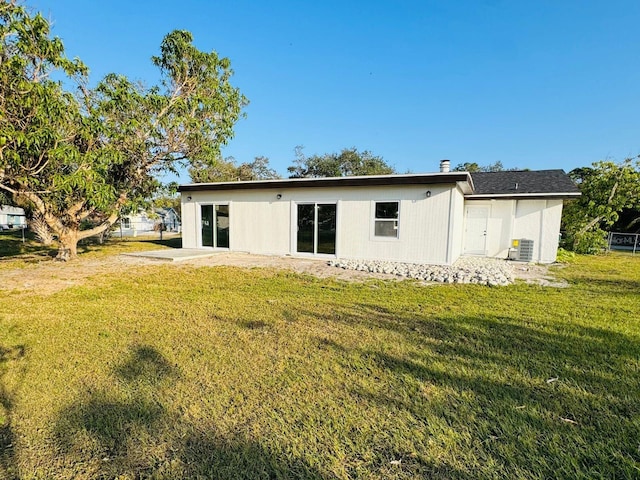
(482, 271)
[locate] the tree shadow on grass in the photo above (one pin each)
(205, 455)
(106, 424)
(108, 434)
(8, 465)
(11, 246)
(505, 377)
(147, 364)
(586, 354)
(618, 286)
(172, 242)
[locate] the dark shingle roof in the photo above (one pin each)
(516, 183)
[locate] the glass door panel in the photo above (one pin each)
(206, 219)
(326, 228)
(222, 226)
(306, 228)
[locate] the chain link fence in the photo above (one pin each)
(624, 241)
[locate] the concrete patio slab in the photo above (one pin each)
(174, 254)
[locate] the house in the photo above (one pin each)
(12, 217)
(170, 218)
(145, 222)
(429, 218)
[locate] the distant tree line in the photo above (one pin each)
(348, 162)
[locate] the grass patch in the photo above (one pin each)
(182, 372)
(13, 244)
(16, 253)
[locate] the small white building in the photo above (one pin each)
(429, 218)
(170, 219)
(12, 217)
(145, 222)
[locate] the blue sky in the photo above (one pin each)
(544, 84)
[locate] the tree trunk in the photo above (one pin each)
(585, 229)
(67, 246)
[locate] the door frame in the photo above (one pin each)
(199, 225)
(294, 228)
(487, 209)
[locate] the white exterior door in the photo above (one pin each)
(476, 220)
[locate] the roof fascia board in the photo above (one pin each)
(368, 181)
(506, 196)
(465, 187)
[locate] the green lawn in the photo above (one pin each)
(16, 251)
(167, 371)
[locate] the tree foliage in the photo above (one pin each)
(607, 189)
(473, 167)
(228, 171)
(78, 158)
(346, 163)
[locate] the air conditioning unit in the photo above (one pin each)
(521, 250)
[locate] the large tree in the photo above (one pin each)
(346, 163)
(607, 188)
(76, 159)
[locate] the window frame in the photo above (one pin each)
(375, 219)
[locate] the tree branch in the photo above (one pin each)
(71, 211)
(100, 228)
(589, 226)
(613, 192)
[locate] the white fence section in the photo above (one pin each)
(624, 241)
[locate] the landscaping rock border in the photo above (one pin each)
(482, 271)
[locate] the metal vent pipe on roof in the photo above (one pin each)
(445, 166)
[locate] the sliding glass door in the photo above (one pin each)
(222, 226)
(316, 228)
(214, 224)
(306, 228)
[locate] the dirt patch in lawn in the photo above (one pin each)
(537, 274)
(48, 276)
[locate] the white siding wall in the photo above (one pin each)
(423, 224)
(500, 228)
(260, 223)
(457, 225)
(189, 219)
(537, 220)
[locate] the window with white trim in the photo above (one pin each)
(386, 219)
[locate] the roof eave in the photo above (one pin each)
(532, 196)
(463, 179)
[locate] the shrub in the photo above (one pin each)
(565, 256)
(591, 242)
